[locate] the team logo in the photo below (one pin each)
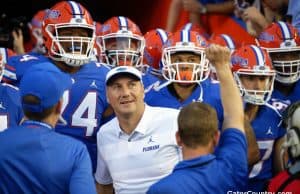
(239, 60)
(93, 84)
(78, 20)
(105, 27)
(269, 132)
(151, 140)
(201, 41)
(52, 14)
(266, 36)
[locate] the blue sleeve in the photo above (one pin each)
(162, 189)
(232, 150)
(82, 180)
(232, 145)
(151, 190)
(220, 113)
(10, 74)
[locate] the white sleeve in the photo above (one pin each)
(102, 174)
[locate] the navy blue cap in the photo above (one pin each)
(46, 82)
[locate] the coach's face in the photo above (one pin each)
(126, 96)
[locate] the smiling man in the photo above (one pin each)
(138, 147)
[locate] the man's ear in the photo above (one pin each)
(107, 100)
(178, 139)
(58, 108)
(216, 138)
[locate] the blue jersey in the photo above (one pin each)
(17, 65)
(11, 112)
(279, 104)
(84, 105)
(293, 96)
(38, 160)
(267, 129)
(149, 81)
(206, 92)
(224, 171)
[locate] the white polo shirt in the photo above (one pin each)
(134, 162)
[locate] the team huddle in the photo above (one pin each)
(104, 108)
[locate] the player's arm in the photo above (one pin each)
(277, 167)
(104, 189)
(173, 14)
(231, 100)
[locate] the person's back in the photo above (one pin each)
(35, 159)
(198, 173)
(40, 160)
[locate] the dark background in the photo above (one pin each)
(101, 10)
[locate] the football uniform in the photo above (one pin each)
(11, 112)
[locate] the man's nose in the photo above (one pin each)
(259, 84)
(123, 44)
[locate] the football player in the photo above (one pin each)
(282, 42)
(69, 36)
(185, 70)
(122, 43)
(254, 75)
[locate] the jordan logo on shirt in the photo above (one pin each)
(93, 84)
(150, 140)
(269, 132)
(1, 106)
